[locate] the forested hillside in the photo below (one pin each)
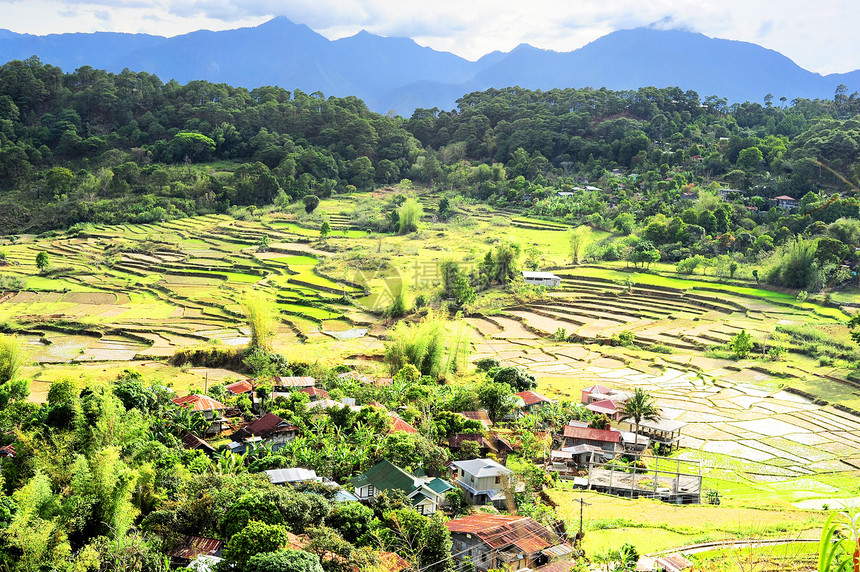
(90, 146)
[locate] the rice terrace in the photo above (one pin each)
(768, 435)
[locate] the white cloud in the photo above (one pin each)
(819, 36)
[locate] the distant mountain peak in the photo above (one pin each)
(398, 73)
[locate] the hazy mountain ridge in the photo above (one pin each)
(398, 74)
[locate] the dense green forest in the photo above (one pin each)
(94, 147)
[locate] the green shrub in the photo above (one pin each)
(661, 349)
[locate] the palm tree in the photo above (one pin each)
(640, 406)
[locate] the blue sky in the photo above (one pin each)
(818, 35)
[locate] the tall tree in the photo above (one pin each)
(640, 406)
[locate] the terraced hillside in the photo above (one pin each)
(141, 291)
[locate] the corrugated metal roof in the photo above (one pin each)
(190, 441)
(386, 476)
(499, 531)
(303, 381)
(597, 389)
(481, 416)
(198, 402)
(294, 475)
(604, 406)
(439, 486)
(558, 550)
(315, 392)
(266, 426)
(482, 467)
(589, 434)
(7, 451)
(532, 397)
(193, 546)
(240, 387)
(398, 424)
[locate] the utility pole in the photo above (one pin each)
(580, 534)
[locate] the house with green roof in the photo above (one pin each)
(425, 493)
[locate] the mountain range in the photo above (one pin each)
(397, 75)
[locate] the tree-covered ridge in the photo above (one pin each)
(587, 130)
(91, 146)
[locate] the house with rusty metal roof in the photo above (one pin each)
(210, 408)
(425, 493)
(493, 541)
(399, 425)
(315, 393)
(480, 415)
(609, 440)
(240, 387)
(197, 402)
(269, 428)
(532, 400)
(293, 383)
(492, 443)
(194, 547)
(192, 442)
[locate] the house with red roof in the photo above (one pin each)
(507, 542)
(532, 400)
(210, 409)
(202, 403)
(240, 387)
(609, 440)
(606, 407)
(269, 428)
(398, 424)
(315, 393)
(599, 389)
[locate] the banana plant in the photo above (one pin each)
(839, 548)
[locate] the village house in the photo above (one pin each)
(399, 425)
(493, 443)
(480, 415)
(606, 407)
(292, 383)
(197, 548)
(244, 387)
(208, 407)
(784, 201)
(504, 542)
(270, 428)
(594, 393)
(192, 442)
(571, 459)
(547, 279)
(315, 393)
(293, 475)
(607, 440)
(532, 400)
(425, 493)
(483, 480)
(666, 432)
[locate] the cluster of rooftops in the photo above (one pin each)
(490, 541)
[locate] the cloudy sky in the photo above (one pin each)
(819, 35)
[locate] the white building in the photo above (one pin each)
(547, 279)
